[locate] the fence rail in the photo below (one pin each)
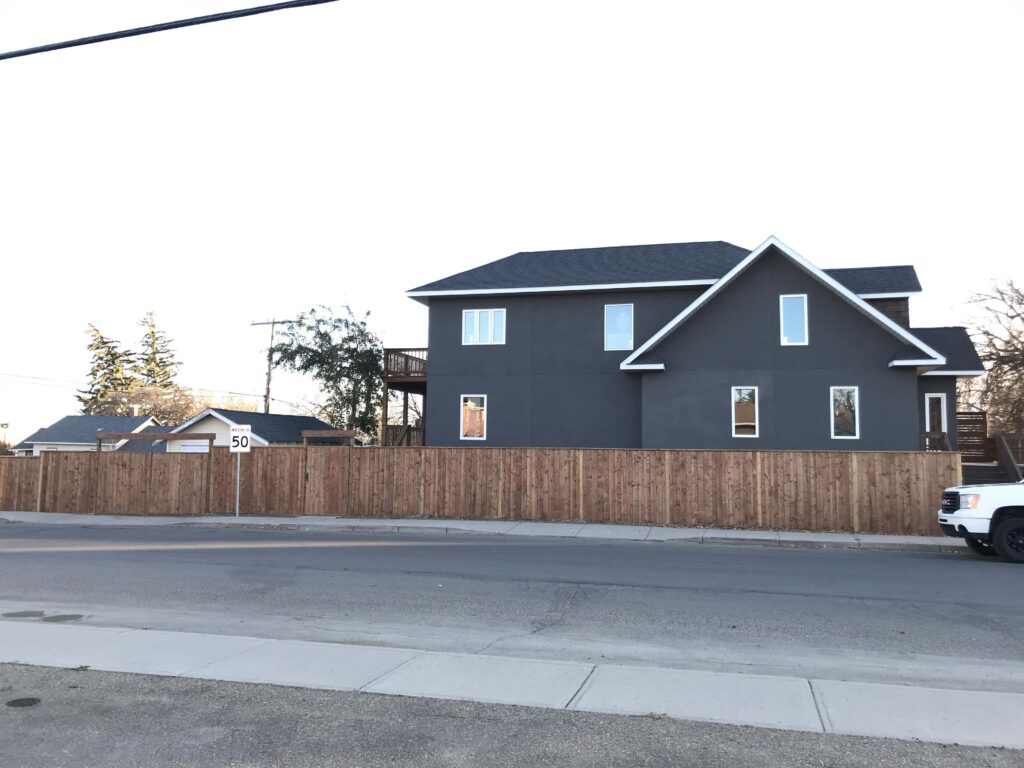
(798, 490)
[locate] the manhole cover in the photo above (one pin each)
(23, 615)
(27, 702)
(62, 617)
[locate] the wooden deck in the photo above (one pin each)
(405, 371)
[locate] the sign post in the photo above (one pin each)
(241, 442)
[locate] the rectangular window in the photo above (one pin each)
(618, 327)
(845, 413)
(744, 411)
(793, 320)
(474, 417)
(935, 412)
(483, 326)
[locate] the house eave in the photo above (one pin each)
(641, 366)
(960, 374)
(586, 287)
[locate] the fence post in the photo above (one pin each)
(40, 481)
(96, 482)
(209, 475)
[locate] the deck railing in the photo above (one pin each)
(405, 363)
(402, 434)
(1010, 454)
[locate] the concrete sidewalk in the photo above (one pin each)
(793, 703)
(514, 528)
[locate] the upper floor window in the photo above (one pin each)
(845, 413)
(618, 327)
(744, 411)
(793, 319)
(483, 326)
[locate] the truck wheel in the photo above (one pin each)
(983, 548)
(1009, 539)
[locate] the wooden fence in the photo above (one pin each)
(797, 490)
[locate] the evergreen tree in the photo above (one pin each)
(111, 378)
(155, 364)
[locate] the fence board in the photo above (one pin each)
(799, 490)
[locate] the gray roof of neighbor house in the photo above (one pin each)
(630, 264)
(274, 427)
(955, 345)
(147, 446)
(81, 429)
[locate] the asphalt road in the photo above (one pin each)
(946, 620)
(107, 720)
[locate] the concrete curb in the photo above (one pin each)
(972, 717)
(592, 531)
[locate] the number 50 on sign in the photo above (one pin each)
(241, 439)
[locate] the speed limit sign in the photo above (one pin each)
(241, 439)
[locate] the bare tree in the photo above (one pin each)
(1000, 338)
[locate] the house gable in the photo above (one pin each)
(912, 353)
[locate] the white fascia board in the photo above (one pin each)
(909, 363)
(623, 366)
(887, 295)
(954, 373)
(212, 412)
(863, 306)
(563, 288)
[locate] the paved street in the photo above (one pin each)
(108, 720)
(832, 614)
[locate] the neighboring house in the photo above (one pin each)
(268, 429)
(147, 446)
(688, 345)
(78, 433)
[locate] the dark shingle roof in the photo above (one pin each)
(644, 264)
(954, 344)
(274, 427)
(900, 279)
(598, 266)
(82, 429)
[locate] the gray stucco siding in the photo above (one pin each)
(739, 327)
(551, 383)
(693, 409)
(734, 341)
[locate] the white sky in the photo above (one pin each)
(348, 152)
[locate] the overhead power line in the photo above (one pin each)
(168, 25)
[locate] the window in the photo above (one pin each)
(935, 412)
(618, 327)
(483, 326)
(845, 413)
(474, 417)
(744, 411)
(793, 320)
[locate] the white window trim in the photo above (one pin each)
(832, 412)
(757, 410)
(632, 323)
(782, 326)
(476, 327)
(927, 412)
(462, 399)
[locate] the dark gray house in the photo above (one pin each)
(686, 345)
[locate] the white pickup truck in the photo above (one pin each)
(990, 518)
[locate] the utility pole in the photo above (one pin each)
(270, 356)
